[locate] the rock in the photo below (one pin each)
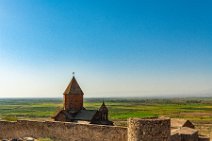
(29, 139)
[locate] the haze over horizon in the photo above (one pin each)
(116, 48)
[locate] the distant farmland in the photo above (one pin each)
(198, 110)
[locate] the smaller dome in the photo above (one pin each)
(103, 107)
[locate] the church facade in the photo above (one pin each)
(74, 111)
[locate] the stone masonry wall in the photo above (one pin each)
(150, 129)
(62, 131)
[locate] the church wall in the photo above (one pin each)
(74, 101)
(64, 131)
(66, 99)
(77, 101)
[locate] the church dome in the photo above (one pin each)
(103, 107)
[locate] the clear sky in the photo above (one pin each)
(115, 47)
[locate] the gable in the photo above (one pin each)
(177, 123)
(60, 116)
(188, 124)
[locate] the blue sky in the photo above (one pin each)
(117, 48)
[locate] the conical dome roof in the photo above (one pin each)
(103, 107)
(73, 87)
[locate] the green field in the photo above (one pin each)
(198, 110)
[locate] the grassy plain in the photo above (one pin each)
(198, 110)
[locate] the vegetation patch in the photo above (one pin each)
(198, 110)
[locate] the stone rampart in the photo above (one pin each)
(64, 131)
(150, 129)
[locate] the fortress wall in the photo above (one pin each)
(149, 129)
(61, 131)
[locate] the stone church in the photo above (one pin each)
(73, 110)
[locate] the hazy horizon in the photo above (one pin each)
(120, 97)
(116, 48)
